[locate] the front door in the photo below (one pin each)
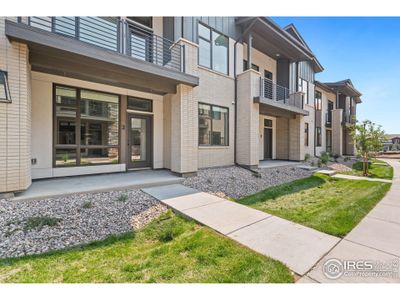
(267, 143)
(139, 141)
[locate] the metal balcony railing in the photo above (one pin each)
(272, 91)
(115, 34)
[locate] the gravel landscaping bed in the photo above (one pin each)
(36, 226)
(236, 182)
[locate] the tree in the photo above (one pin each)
(368, 138)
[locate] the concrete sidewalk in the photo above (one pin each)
(299, 247)
(352, 177)
(376, 239)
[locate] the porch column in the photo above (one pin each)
(249, 51)
(15, 117)
(296, 138)
(337, 131)
(181, 114)
(247, 142)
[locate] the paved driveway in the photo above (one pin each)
(375, 239)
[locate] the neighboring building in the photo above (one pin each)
(392, 142)
(87, 95)
(338, 112)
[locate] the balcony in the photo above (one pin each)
(348, 118)
(103, 49)
(280, 98)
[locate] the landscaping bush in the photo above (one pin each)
(336, 157)
(324, 158)
(41, 221)
(306, 157)
(122, 197)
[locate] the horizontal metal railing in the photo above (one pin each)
(272, 91)
(115, 34)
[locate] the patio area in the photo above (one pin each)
(275, 163)
(56, 187)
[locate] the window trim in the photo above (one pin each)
(307, 133)
(137, 109)
(227, 125)
(318, 107)
(211, 48)
(318, 142)
(77, 146)
(7, 91)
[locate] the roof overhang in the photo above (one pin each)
(59, 55)
(270, 39)
(345, 87)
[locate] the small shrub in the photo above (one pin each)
(336, 157)
(40, 222)
(346, 158)
(319, 163)
(87, 204)
(307, 157)
(324, 158)
(257, 175)
(312, 163)
(122, 197)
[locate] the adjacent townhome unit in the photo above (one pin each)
(90, 95)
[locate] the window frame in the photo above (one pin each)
(300, 88)
(211, 48)
(7, 91)
(142, 99)
(211, 129)
(78, 146)
(318, 136)
(307, 134)
(318, 101)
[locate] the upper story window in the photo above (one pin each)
(303, 87)
(213, 49)
(253, 66)
(146, 21)
(318, 100)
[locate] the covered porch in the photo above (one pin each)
(57, 187)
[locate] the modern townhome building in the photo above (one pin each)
(89, 95)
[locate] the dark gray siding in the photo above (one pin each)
(304, 71)
(226, 25)
(282, 72)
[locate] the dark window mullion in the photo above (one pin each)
(78, 128)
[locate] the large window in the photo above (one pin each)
(213, 125)
(306, 134)
(318, 100)
(303, 87)
(86, 127)
(318, 136)
(213, 49)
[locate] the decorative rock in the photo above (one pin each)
(78, 225)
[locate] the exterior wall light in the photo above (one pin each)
(5, 95)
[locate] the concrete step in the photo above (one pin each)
(327, 172)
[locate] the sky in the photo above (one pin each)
(363, 49)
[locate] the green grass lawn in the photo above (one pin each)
(170, 249)
(375, 171)
(330, 205)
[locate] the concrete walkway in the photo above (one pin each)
(57, 187)
(376, 238)
(299, 247)
(275, 163)
(351, 177)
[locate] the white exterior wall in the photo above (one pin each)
(218, 89)
(262, 60)
(42, 126)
